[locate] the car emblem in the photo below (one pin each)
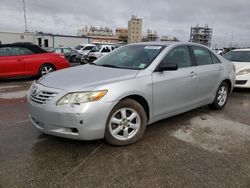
(34, 90)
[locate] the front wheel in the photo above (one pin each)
(126, 123)
(221, 97)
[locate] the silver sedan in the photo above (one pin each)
(117, 96)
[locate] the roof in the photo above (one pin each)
(57, 35)
(167, 43)
(32, 47)
(243, 49)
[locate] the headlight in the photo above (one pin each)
(246, 71)
(81, 97)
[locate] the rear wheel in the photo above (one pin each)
(73, 59)
(221, 97)
(126, 123)
(45, 69)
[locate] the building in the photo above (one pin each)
(95, 31)
(169, 38)
(201, 35)
(9, 37)
(99, 35)
(134, 30)
(43, 39)
(151, 36)
(103, 39)
(122, 35)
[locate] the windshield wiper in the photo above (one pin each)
(92, 63)
(108, 65)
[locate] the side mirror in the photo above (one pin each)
(167, 67)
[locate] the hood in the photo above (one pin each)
(241, 65)
(85, 77)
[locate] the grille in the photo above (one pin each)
(42, 97)
(241, 82)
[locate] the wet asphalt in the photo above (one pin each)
(201, 148)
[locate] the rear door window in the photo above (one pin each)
(215, 59)
(202, 55)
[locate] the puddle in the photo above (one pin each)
(14, 95)
(214, 133)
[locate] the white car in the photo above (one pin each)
(241, 60)
(84, 49)
(99, 51)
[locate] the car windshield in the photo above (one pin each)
(238, 56)
(96, 48)
(78, 47)
(88, 48)
(131, 57)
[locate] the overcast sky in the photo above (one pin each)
(228, 18)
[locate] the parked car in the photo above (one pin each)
(83, 51)
(99, 51)
(28, 60)
(69, 53)
(135, 85)
(241, 60)
(48, 49)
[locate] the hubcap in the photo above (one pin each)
(124, 124)
(46, 70)
(222, 96)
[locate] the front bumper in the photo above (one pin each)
(82, 122)
(242, 81)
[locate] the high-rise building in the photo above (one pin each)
(134, 30)
(122, 34)
(201, 35)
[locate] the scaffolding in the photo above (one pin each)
(201, 35)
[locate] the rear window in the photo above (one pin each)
(238, 56)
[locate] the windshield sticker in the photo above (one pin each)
(152, 47)
(141, 66)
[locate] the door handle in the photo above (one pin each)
(193, 74)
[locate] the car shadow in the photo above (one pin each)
(17, 79)
(242, 90)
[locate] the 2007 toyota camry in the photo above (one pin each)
(117, 96)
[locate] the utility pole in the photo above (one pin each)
(24, 13)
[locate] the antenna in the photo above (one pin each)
(24, 13)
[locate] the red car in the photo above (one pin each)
(28, 60)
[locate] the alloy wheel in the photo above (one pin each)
(46, 69)
(222, 95)
(124, 124)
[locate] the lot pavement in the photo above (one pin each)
(201, 148)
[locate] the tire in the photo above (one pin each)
(126, 123)
(221, 97)
(45, 69)
(73, 59)
(91, 59)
